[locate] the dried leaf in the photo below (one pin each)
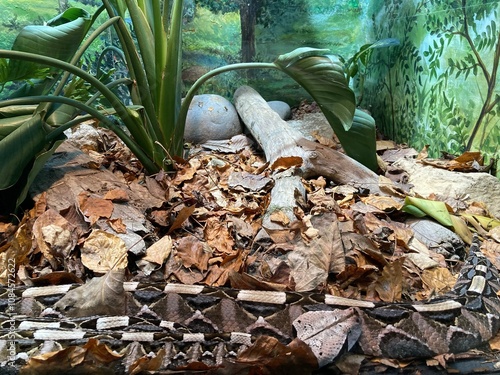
(438, 279)
(95, 208)
(91, 358)
(389, 284)
(218, 237)
(384, 203)
(159, 251)
(286, 162)
(117, 195)
(147, 363)
(100, 296)
(279, 217)
(328, 332)
(192, 253)
(268, 356)
(56, 278)
(182, 216)
(118, 225)
(55, 236)
(103, 251)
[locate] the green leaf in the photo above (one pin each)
(9, 124)
(360, 141)
(19, 148)
(435, 209)
(32, 172)
(323, 77)
(60, 41)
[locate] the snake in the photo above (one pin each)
(210, 325)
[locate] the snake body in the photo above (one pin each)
(206, 324)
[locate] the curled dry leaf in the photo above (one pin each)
(117, 195)
(268, 356)
(182, 216)
(100, 296)
(91, 358)
(389, 284)
(104, 251)
(218, 237)
(147, 363)
(439, 279)
(118, 225)
(94, 208)
(55, 236)
(286, 162)
(159, 251)
(192, 253)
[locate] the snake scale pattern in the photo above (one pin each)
(199, 323)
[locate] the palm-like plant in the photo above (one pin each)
(33, 123)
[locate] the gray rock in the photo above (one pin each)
(281, 108)
(478, 187)
(211, 117)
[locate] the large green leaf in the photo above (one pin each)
(60, 39)
(34, 169)
(323, 77)
(360, 142)
(18, 149)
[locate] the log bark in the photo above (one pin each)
(286, 147)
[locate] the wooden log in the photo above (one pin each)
(279, 141)
(285, 147)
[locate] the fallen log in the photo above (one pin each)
(286, 147)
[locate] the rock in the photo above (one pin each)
(211, 117)
(281, 108)
(472, 187)
(85, 136)
(437, 237)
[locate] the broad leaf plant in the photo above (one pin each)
(47, 60)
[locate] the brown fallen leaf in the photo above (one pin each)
(55, 236)
(191, 252)
(218, 236)
(389, 285)
(94, 208)
(182, 216)
(100, 296)
(103, 251)
(117, 195)
(159, 251)
(268, 356)
(286, 162)
(438, 280)
(56, 278)
(91, 358)
(118, 225)
(147, 363)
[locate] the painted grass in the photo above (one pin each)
(15, 14)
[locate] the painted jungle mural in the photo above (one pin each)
(440, 87)
(436, 83)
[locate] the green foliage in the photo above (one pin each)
(155, 118)
(441, 91)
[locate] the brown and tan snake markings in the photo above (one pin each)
(198, 323)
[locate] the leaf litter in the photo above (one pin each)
(203, 225)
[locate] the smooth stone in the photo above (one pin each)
(211, 117)
(473, 187)
(281, 108)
